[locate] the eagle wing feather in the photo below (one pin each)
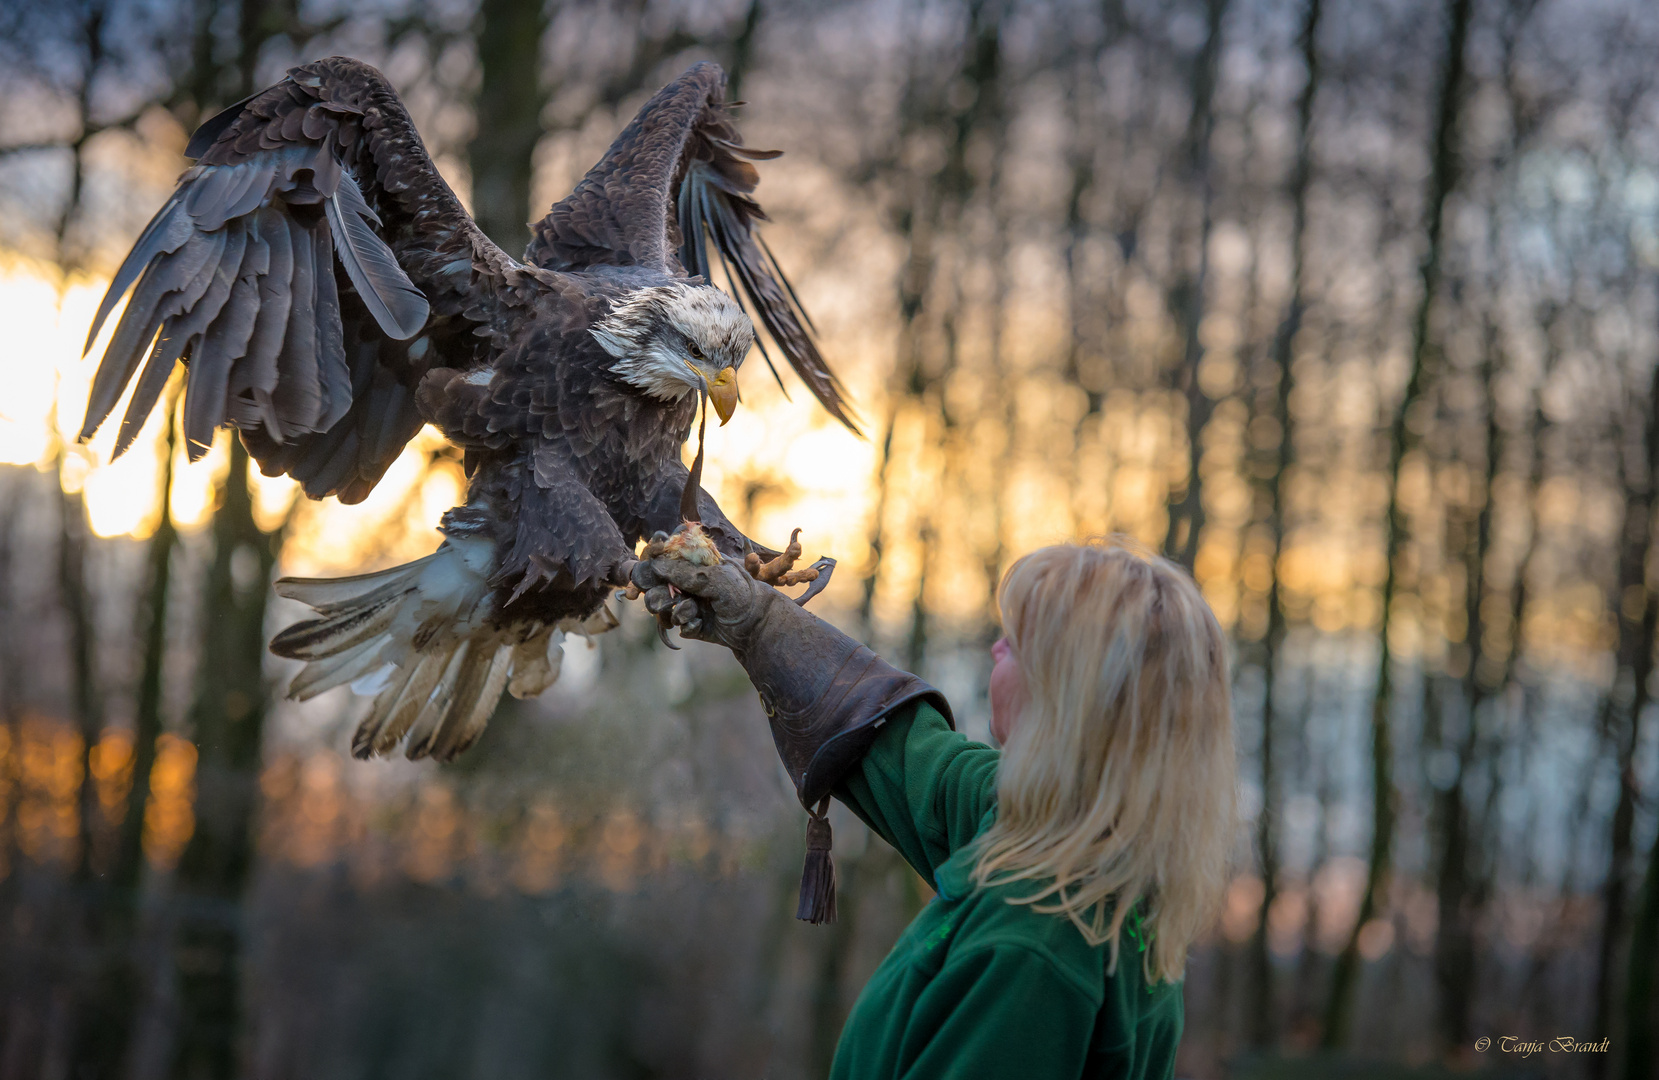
(236, 275)
(678, 173)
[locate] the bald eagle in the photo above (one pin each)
(570, 380)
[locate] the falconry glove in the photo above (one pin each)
(825, 695)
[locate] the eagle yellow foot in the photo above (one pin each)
(780, 572)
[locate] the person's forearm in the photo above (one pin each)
(922, 787)
(824, 693)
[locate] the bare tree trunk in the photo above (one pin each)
(878, 514)
(85, 1004)
(1459, 890)
(228, 712)
(741, 57)
(11, 690)
(86, 1011)
(1641, 998)
(147, 720)
(1186, 515)
(1262, 1031)
(1464, 873)
(1442, 180)
(1080, 160)
(912, 220)
(1308, 974)
(1456, 893)
(982, 120)
(228, 723)
(915, 644)
(258, 22)
(113, 1002)
(1521, 598)
(86, 695)
(1638, 615)
(510, 101)
(1007, 415)
(838, 939)
(931, 211)
(907, 384)
(993, 124)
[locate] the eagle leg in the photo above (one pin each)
(624, 573)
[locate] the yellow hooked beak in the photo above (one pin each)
(723, 394)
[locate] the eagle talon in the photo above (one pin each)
(664, 621)
(821, 571)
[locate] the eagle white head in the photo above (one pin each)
(672, 340)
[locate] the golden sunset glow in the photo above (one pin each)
(47, 315)
(979, 496)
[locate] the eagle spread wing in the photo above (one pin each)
(678, 173)
(237, 276)
(571, 382)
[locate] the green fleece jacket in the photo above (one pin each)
(976, 986)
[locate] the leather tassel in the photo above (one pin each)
(817, 903)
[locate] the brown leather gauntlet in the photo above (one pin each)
(825, 695)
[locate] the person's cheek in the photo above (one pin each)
(993, 692)
(1002, 701)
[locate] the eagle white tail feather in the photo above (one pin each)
(419, 633)
(326, 673)
(328, 595)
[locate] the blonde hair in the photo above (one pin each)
(1117, 786)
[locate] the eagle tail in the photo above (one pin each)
(417, 636)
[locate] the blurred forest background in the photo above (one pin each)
(1352, 306)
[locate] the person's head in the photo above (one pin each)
(1117, 782)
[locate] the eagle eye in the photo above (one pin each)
(696, 353)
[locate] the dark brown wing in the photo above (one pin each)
(238, 276)
(677, 174)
